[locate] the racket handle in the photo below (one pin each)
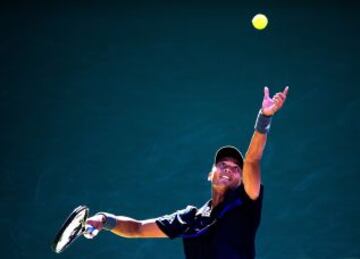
(90, 231)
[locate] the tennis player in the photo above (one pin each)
(224, 227)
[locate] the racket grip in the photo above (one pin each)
(90, 231)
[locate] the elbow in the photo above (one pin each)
(252, 192)
(253, 195)
(252, 187)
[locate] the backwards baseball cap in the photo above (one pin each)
(231, 152)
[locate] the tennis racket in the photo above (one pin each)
(73, 227)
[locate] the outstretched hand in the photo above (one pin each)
(271, 105)
(95, 224)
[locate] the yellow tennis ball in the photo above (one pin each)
(259, 21)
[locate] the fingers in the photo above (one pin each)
(93, 226)
(266, 92)
(274, 103)
(90, 232)
(280, 96)
(283, 93)
(279, 99)
(286, 90)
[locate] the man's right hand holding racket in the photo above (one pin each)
(78, 224)
(94, 225)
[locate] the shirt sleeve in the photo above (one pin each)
(177, 223)
(255, 207)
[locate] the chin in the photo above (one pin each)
(224, 186)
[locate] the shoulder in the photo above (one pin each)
(176, 223)
(182, 215)
(189, 212)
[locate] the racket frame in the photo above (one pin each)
(67, 222)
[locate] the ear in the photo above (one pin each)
(210, 176)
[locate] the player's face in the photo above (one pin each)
(226, 173)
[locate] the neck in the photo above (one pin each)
(217, 196)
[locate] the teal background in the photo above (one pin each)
(121, 106)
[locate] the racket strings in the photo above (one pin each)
(71, 229)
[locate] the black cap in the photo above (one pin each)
(229, 151)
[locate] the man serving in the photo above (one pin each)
(225, 226)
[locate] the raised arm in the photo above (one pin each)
(125, 226)
(251, 175)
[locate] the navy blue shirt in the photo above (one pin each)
(225, 232)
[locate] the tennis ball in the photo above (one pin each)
(259, 21)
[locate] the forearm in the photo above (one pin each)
(256, 147)
(127, 227)
(258, 140)
(251, 169)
